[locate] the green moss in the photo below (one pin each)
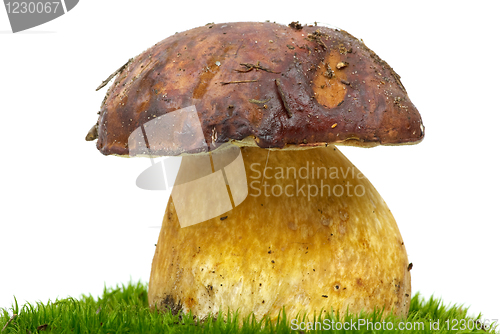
(125, 310)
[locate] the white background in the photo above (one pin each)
(72, 219)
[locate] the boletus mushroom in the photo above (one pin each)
(308, 232)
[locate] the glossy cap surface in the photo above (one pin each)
(261, 84)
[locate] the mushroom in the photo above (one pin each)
(259, 108)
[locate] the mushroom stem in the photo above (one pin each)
(312, 234)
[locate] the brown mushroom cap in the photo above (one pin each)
(262, 84)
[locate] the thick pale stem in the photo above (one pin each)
(312, 234)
